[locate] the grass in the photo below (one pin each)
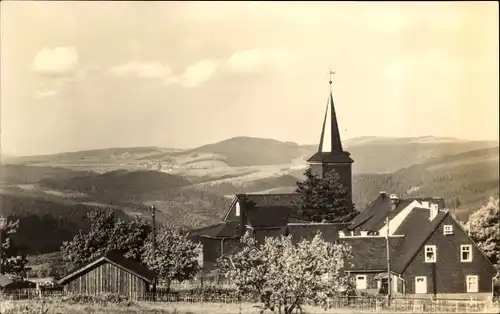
(55, 307)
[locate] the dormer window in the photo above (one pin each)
(237, 209)
(466, 253)
(430, 254)
(448, 229)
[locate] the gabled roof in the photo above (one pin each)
(282, 200)
(291, 200)
(417, 230)
(268, 216)
(373, 217)
(370, 253)
(307, 231)
(118, 260)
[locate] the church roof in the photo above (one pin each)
(330, 157)
(337, 153)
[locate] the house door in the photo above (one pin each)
(420, 284)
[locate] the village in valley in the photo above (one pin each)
(248, 225)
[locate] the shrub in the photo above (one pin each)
(101, 299)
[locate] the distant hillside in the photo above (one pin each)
(465, 180)
(45, 224)
(22, 174)
(119, 184)
(386, 155)
(250, 151)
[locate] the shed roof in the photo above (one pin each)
(118, 260)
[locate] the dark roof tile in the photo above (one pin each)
(369, 253)
(417, 229)
(331, 157)
(299, 232)
(268, 216)
(282, 200)
(117, 259)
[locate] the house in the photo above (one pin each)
(415, 240)
(110, 273)
(430, 253)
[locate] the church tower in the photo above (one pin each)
(334, 157)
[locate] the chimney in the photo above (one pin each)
(434, 210)
(242, 200)
(394, 201)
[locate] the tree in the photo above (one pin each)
(175, 258)
(107, 233)
(324, 199)
(284, 275)
(12, 262)
(483, 227)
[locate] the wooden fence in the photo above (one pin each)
(357, 304)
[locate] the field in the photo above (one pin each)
(54, 307)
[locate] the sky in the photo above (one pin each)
(87, 75)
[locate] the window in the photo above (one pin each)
(361, 282)
(237, 208)
(472, 283)
(448, 229)
(466, 253)
(430, 254)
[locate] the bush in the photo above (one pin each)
(34, 307)
(101, 299)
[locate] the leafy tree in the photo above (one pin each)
(107, 233)
(176, 257)
(284, 275)
(324, 199)
(12, 262)
(484, 229)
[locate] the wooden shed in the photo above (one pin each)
(111, 273)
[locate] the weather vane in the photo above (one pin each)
(331, 72)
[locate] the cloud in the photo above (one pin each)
(143, 69)
(199, 72)
(255, 60)
(59, 61)
(192, 76)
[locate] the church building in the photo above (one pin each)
(430, 253)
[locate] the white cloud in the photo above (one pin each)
(255, 60)
(199, 72)
(56, 61)
(143, 69)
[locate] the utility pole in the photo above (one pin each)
(389, 286)
(153, 210)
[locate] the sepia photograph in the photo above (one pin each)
(189, 157)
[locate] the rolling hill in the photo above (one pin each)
(190, 187)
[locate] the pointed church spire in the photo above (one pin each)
(335, 153)
(335, 132)
(336, 144)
